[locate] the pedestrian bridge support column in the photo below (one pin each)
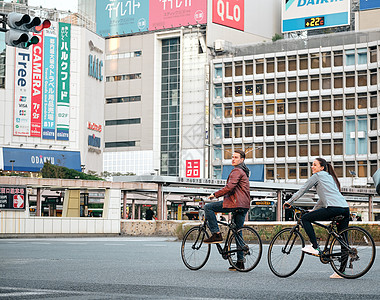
(71, 204)
(112, 204)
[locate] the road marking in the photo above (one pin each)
(114, 244)
(154, 245)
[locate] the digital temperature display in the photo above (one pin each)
(314, 22)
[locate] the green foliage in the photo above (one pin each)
(52, 171)
(277, 37)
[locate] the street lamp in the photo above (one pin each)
(12, 162)
(83, 167)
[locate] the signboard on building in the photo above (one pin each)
(369, 4)
(12, 197)
(229, 13)
(193, 168)
(312, 14)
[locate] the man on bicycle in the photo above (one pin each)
(236, 196)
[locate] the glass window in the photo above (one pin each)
(314, 148)
(259, 128)
(350, 167)
(292, 149)
(238, 68)
(259, 150)
(338, 58)
(217, 152)
(362, 168)
(373, 54)
(280, 127)
(248, 108)
(373, 166)
(373, 122)
(259, 107)
(270, 86)
(292, 127)
(326, 147)
(280, 149)
(292, 63)
(338, 80)
(338, 168)
(259, 66)
(228, 110)
(269, 107)
(373, 99)
(249, 67)
(248, 150)
(227, 151)
(218, 131)
(314, 82)
(338, 146)
(292, 171)
(303, 105)
(280, 171)
(326, 81)
(302, 147)
(303, 170)
(227, 131)
(350, 101)
(326, 103)
(238, 130)
(280, 106)
(259, 87)
(249, 88)
(248, 130)
(281, 64)
(326, 125)
(218, 111)
(314, 126)
(218, 91)
(338, 102)
(238, 89)
(303, 83)
(238, 106)
(362, 100)
(269, 150)
(292, 84)
(228, 69)
(373, 77)
(303, 58)
(362, 78)
(362, 56)
(228, 90)
(350, 79)
(350, 57)
(314, 104)
(373, 145)
(302, 126)
(269, 171)
(326, 59)
(281, 85)
(270, 128)
(314, 59)
(270, 65)
(218, 70)
(292, 106)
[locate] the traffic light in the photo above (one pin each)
(21, 27)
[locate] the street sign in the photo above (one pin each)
(12, 197)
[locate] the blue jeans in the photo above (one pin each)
(324, 214)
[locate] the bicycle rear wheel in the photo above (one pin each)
(284, 253)
(194, 252)
(245, 247)
(358, 259)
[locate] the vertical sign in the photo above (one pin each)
(63, 99)
(49, 82)
(36, 107)
(193, 168)
(22, 101)
(229, 13)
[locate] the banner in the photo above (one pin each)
(22, 85)
(63, 99)
(50, 82)
(36, 107)
(229, 13)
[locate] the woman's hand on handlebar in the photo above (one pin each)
(286, 205)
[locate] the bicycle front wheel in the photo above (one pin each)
(244, 249)
(194, 252)
(284, 254)
(358, 258)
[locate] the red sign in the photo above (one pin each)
(193, 168)
(18, 201)
(94, 126)
(36, 108)
(229, 13)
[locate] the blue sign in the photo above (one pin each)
(257, 172)
(121, 16)
(32, 160)
(369, 4)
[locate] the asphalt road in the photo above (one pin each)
(151, 268)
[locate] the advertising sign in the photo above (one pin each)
(63, 99)
(115, 17)
(12, 197)
(50, 82)
(22, 84)
(175, 13)
(32, 160)
(37, 67)
(229, 13)
(369, 4)
(311, 14)
(193, 168)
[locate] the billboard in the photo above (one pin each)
(175, 13)
(12, 197)
(115, 17)
(369, 4)
(313, 14)
(229, 13)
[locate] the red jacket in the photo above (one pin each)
(236, 192)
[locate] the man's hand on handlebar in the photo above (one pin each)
(286, 205)
(212, 196)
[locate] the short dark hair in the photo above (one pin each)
(241, 152)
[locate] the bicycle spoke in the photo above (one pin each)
(194, 252)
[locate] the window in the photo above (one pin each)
(302, 146)
(249, 67)
(281, 64)
(314, 59)
(350, 57)
(218, 70)
(248, 108)
(280, 106)
(373, 166)
(227, 151)
(238, 107)
(350, 79)
(302, 126)
(259, 87)
(362, 56)
(362, 168)
(350, 166)
(314, 126)
(248, 130)
(292, 171)
(123, 122)
(227, 131)
(338, 168)
(303, 82)
(314, 80)
(292, 149)
(373, 99)
(338, 80)
(326, 103)
(248, 88)
(259, 66)
(270, 128)
(218, 131)
(326, 125)
(218, 91)
(238, 130)
(228, 90)
(259, 150)
(303, 105)
(248, 151)
(280, 149)
(270, 65)
(338, 102)
(373, 145)
(123, 99)
(326, 81)
(338, 124)
(373, 77)
(238, 89)
(269, 171)
(292, 106)
(280, 171)
(259, 107)
(362, 78)
(238, 68)
(303, 58)
(373, 122)
(280, 127)
(326, 147)
(292, 63)
(362, 100)
(292, 127)
(373, 54)
(270, 86)
(218, 111)
(338, 58)
(314, 148)
(338, 146)
(314, 103)
(281, 85)
(292, 84)
(228, 110)
(120, 144)
(269, 150)
(303, 170)
(350, 101)
(269, 107)
(259, 128)
(326, 59)
(228, 69)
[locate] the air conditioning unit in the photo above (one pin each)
(219, 45)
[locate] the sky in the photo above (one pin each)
(71, 5)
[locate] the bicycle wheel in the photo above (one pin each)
(244, 246)
(358, 259)
(284, 253)
(194, 252)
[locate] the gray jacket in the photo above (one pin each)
(327, 190)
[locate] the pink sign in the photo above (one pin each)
(229, 13)
(193, 168)
(176, 13)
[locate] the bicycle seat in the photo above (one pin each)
(337, 218)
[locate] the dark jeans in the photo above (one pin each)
(324, 214)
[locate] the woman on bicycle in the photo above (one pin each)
(331, 202)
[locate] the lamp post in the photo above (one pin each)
(12, 161)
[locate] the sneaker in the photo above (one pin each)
(239, 264)
(310, 250)
(216, 238)
(335, 275)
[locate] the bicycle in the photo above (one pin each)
(351, 252)
(244, 242)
